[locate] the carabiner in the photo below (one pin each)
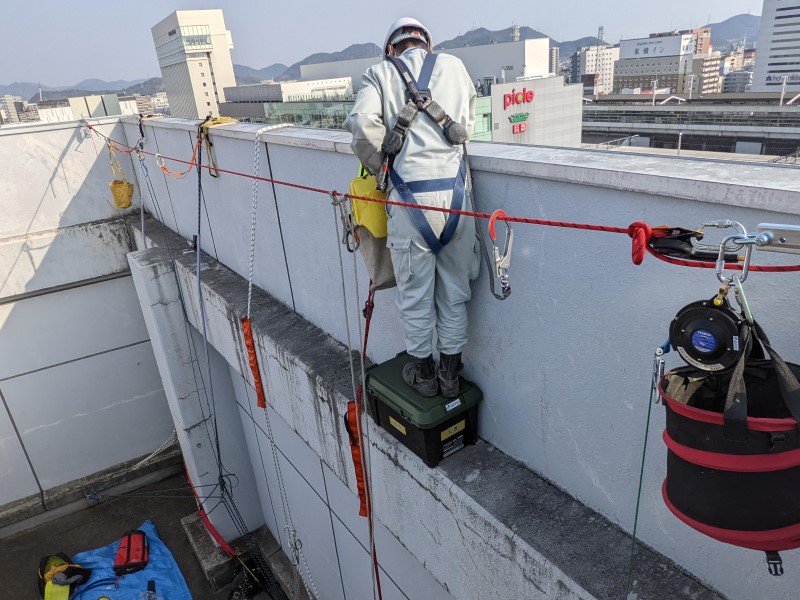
(502, 262)
(738, 241)
(350, 237)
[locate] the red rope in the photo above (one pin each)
(641, 233)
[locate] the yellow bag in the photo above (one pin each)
(121, 190)
(371, 215)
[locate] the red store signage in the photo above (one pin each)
(516, 97)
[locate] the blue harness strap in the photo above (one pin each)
(407, 190)
(424, 80)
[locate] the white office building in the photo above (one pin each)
(486, 65)
(292, 91)
(193, 49)
(595, 68)
(778, 47)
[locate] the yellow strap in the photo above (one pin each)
(204, 127)
(116, 168)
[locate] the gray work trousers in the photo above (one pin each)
(432, 289)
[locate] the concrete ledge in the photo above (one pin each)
(483, 524)
(70, 497)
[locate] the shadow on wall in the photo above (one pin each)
(78, 381)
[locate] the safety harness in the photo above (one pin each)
(420, 101)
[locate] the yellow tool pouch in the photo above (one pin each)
(121, 190)
(371, 215)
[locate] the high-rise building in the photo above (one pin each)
(193, 49)
(595, 68)
(704, 77)
(778, 47)
(555, 60)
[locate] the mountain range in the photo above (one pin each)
(723, 35)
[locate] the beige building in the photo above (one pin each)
(543, 111)
(193, 49)
(593, 66)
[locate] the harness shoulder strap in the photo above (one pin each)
(424, 81)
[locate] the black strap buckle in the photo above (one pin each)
(774, 563)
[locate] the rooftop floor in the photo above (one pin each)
(100, 525)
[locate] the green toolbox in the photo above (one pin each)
(432, 428)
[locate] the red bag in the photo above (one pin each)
(133, 553)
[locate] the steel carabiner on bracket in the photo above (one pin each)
(502, 261)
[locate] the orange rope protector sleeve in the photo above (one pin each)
(351, 424)
(253, 360)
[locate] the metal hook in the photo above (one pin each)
(502, 262)
(160, 161)
(350, 237)
(738, 240)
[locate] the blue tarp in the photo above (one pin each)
(161, 568)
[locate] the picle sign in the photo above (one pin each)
(518, 124)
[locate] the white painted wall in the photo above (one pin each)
(565, 362)
(77, 372)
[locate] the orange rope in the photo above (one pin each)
(179, 174)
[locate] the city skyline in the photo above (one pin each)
(98, 44)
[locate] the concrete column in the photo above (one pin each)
(181, 362)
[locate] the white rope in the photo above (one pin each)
(294, 543)
(170, 441)
(256, 161)
(336, 202)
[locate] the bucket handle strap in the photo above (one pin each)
(735, 423)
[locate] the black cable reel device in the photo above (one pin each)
(732, 420)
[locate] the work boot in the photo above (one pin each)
(447, 374)
(420, 374)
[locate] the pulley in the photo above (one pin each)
(708, 337)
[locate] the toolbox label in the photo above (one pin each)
(397, 425)
(451, 431)
(454, 404)
(453, 445)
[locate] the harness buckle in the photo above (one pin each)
(502, 262)
(774, 563)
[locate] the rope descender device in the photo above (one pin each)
(502, 262)
(350, 237)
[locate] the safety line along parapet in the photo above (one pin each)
(641, 233)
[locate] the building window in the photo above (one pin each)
(206, 93)
(202, 74)
(208, 103)
(200, 64)
(204, 84)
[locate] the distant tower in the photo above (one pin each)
(777, 48)
(515, 33)
(600, 33)
(194, 53)
(40, 92)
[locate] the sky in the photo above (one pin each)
(61, 43)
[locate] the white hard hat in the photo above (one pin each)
(402, 23)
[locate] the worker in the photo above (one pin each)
(434, 254)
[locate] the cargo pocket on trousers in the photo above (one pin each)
(400, 248)
(475, 268)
